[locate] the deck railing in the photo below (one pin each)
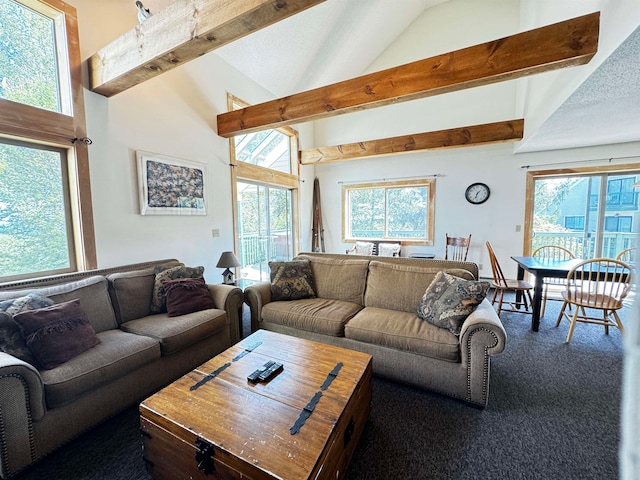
(612, 243)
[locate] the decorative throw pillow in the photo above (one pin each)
(164, 274)
(187, 295)
(11, 340)
(58, 333)
(292, 280)
(32, 301)
(449, 300)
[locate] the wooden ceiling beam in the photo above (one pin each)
(564, 44)
(498, 132)
(181, 32)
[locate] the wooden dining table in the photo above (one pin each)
(542, 268)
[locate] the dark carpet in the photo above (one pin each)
(553, 413)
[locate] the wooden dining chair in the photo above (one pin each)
(557, 253)
(456, 248)
(627, 255)
(501, 285)
(596, 284)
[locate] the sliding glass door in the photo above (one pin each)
(265, 228)
(592, 215)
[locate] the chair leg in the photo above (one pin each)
(544, 299)
(564, 306)
(528, 294)
(500, 301)
(618, 322)
(606, 322)
(573, 325)
(495, 294)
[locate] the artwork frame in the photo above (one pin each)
(171, 186)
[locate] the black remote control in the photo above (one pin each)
(270, 372)
(253, 377)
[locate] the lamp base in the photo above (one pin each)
(227, 277)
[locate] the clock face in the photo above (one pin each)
(477, 193)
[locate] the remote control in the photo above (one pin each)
(253, 377)
(270, 372)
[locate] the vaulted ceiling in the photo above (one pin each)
(338, 39)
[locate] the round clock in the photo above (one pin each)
(477, 193)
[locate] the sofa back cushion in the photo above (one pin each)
(339, 278)
(398, 286)
(131, 293)
(92, 292)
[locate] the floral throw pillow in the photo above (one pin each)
(27, 302)
(164, 274)
(292, 280)
(449, 300)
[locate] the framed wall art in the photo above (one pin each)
(171, 186)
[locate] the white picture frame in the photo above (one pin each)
(171, 186)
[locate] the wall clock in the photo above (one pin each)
(477, 193)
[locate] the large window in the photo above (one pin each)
(401, 211)
(46, 223)
(265, 183)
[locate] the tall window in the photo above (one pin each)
(46, 223)
(265, 183)
(400, 211)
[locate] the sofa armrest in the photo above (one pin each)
(256, 296)
(229, 299)
(21, 403)
(481, 336)
(483, 319)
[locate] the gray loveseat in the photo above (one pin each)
(370, 304)
(138, 354)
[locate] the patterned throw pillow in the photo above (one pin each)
(11, 340)
(187, 295)
(28, 302)
(449, 300)
(292, 280)
(57, 333)
(164, 274)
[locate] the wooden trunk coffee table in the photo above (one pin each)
(302, 424)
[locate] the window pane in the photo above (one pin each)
(33, 225)
(367, 212)
(28, 60)
(406, 212)
(269, 149)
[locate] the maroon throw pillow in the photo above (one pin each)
(58, 333)
(187, 295)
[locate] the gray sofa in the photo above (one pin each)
(138, 354)
(370, 304)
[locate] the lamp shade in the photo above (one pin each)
(228, 260)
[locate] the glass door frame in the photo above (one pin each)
(532, 176)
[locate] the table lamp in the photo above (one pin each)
(227, 261)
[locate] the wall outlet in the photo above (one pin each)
(518, 228)
(479, 266)
(215, 232)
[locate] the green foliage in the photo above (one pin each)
(33, 234)
(549, 196)
(28, 67)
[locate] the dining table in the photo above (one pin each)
(542, 268)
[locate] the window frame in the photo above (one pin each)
(34, 125)
(429, 183)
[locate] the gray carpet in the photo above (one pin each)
(553, 413)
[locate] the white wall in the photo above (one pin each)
(175, 115)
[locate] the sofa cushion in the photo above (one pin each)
(397, 286)
(93, 293)
(176, 333)
(318, 315)
(164, 274)
(403, 331)
(187, 295)
(291, 280)
(449, 300)
(57, 333)
(132, 291)
(339, 278)
(117, 355)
